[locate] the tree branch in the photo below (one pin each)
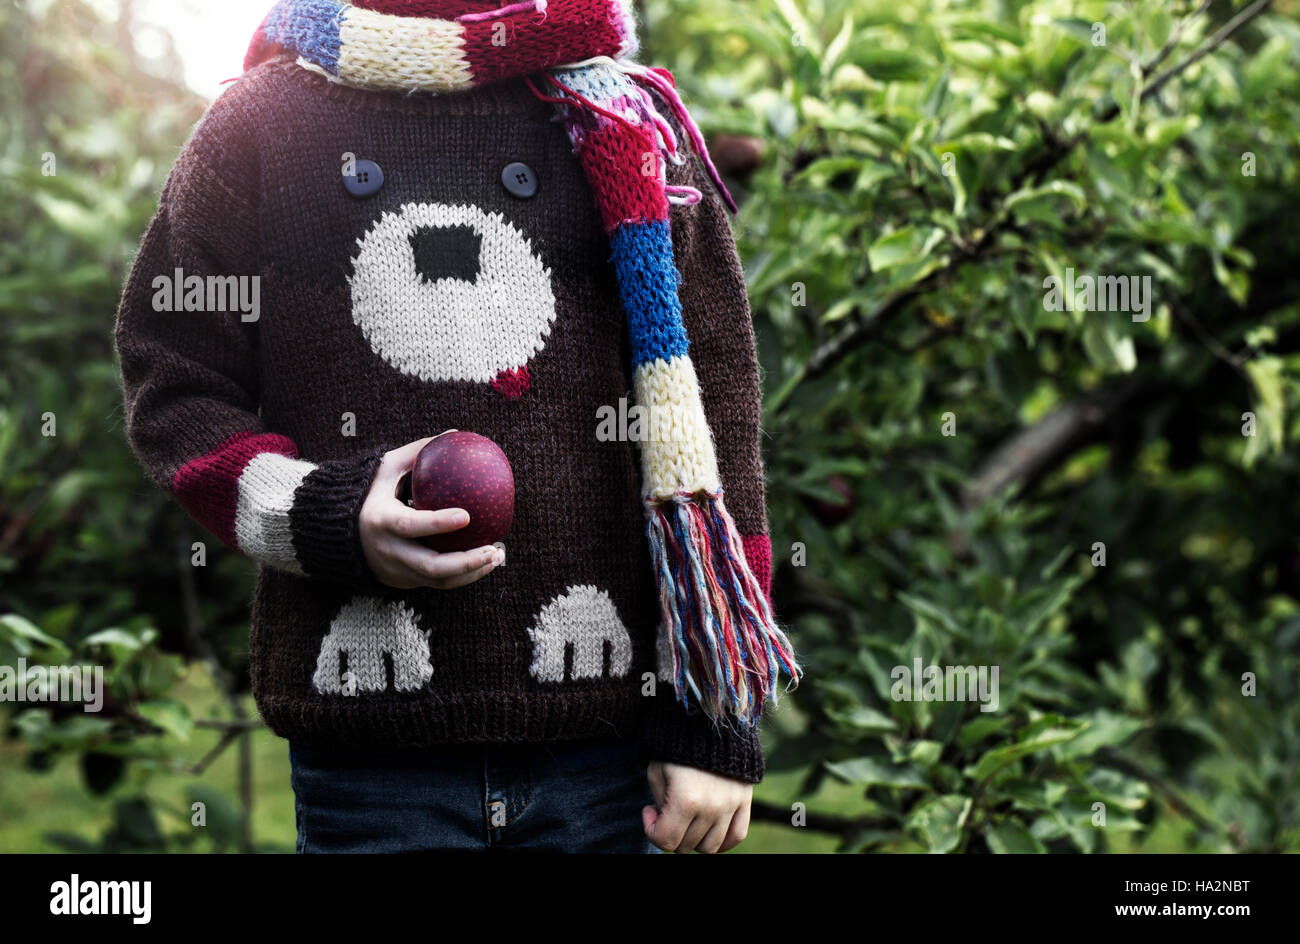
(1034, 451)
(1175, 35)
(1172, 796)
(1215, 41)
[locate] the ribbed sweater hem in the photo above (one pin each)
(423, 721)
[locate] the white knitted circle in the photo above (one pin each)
(451, 328)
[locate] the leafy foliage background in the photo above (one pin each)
(925, 166)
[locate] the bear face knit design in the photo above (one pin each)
(247, 423)
(497, 318)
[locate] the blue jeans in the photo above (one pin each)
(581, 796)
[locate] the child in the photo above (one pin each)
(483, 217)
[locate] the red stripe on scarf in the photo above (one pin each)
(261, 48)
(615, 161)
(758, 553)
(572, 31)
(437, 9)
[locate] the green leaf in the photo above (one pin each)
(872, 173)
(1055, 188)
(977, 142)
(821, 171)
(891, 65)
(931, 614)
(1118, 791)
(1102, 729)
(837, 46)
(925, 754)
(1012, 838)
(977, 729)
(893, 249)
(877, 773)
(1036, 737)
(1266, 373)
(940, 821)
(169, 714)
(222, 817)
(25, 636)
(1106, 346)
(113, 637)
(1078, 28)
(862, 718)
(936, 95)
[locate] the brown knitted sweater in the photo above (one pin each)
(370, 333)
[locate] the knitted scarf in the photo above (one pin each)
(727, 651)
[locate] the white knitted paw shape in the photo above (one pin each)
(582, 621)
(367, 632)
(450, 292)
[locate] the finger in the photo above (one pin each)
(431, 565)
(410, 523)
(738, 830)
(669, 828)
(650, 814)
(401, 577)
(397, 461)
(406, 573)
(649, 819)
(695, 834)
(715, 837)
(477, 573)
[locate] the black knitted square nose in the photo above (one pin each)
(446, 252)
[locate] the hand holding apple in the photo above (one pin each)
(465, 470)
(392, 532)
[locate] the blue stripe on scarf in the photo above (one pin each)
(310, 28)
(642, 254)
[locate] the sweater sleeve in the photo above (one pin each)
(715, 308)
(191, 377)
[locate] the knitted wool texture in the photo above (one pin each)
(241, 421)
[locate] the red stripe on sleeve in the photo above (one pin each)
(208, 487)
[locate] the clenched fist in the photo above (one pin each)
(696, 811)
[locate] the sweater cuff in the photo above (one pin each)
(672, 735)
(323, 520)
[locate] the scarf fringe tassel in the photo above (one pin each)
(726, 650)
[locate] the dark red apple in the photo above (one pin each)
(465, 470)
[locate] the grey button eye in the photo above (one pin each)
(365, 180)
(519, 180)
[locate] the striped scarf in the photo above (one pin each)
(727, 651)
